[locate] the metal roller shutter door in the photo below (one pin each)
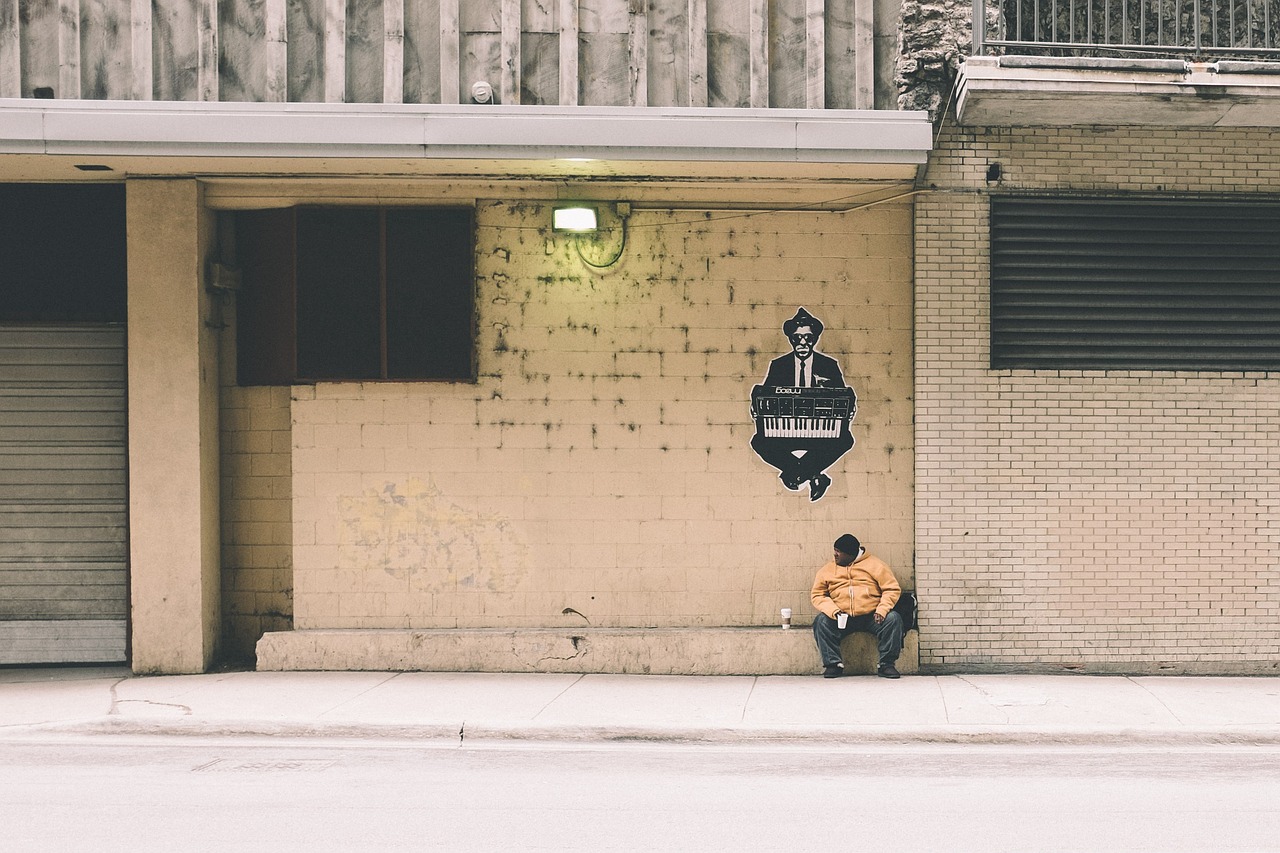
(63, 494)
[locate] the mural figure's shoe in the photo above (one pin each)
(791, 481)
(818, 486)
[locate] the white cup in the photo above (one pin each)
(786, 618)
(842, 619)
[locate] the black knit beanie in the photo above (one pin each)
(848, 543)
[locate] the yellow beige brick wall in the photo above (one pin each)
(1097, 520)
(257, 510)
(599, 472)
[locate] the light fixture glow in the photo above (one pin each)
(576, 218)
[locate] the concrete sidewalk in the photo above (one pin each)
(714, 709)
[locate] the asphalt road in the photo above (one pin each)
(113, 793)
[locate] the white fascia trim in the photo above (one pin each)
(172, 129)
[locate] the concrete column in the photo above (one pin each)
(173, 430)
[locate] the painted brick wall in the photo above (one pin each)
(256, 510)
(1102, 520)
(601, 462)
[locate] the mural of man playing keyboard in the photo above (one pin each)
(802, 410)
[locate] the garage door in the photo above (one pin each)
(63, 494)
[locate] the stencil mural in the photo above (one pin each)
(802, 410)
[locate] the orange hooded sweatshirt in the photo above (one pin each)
(861, 587)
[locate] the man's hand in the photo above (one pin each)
(879, 618)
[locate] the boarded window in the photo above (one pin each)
(355, 294)
(1107, 283)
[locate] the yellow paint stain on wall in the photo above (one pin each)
(411, 532)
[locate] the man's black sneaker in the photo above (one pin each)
(888, 671)
(835, 670)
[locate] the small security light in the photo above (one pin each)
(577, 218)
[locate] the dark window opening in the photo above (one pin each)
(339, 294)
(64, 253)
(355, 294)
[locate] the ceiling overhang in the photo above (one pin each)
(1031, 91)
(56, 140)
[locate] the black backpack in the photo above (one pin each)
(906, 608)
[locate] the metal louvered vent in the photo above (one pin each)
(1101, 283)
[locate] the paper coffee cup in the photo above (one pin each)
(786, 617)
(842, 619)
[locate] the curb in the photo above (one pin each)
(839, 737)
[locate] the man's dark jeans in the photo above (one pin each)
(888, 635)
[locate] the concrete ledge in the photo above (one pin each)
(1027, 91)
(318, 132)
(635, 651)
(1236, 66)
(1095, 63)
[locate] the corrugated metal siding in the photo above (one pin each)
(63, 494)
(659, 53)
(1117, 284)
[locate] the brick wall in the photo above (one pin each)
(1100, 520)
(600, 470)
(256, 510)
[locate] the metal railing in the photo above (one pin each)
(1197, 29)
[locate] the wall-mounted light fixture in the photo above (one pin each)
(581, 220)
(576, 218)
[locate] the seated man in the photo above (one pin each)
(856, 592)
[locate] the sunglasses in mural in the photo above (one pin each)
(802, 410)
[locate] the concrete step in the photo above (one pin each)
(642, 651)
